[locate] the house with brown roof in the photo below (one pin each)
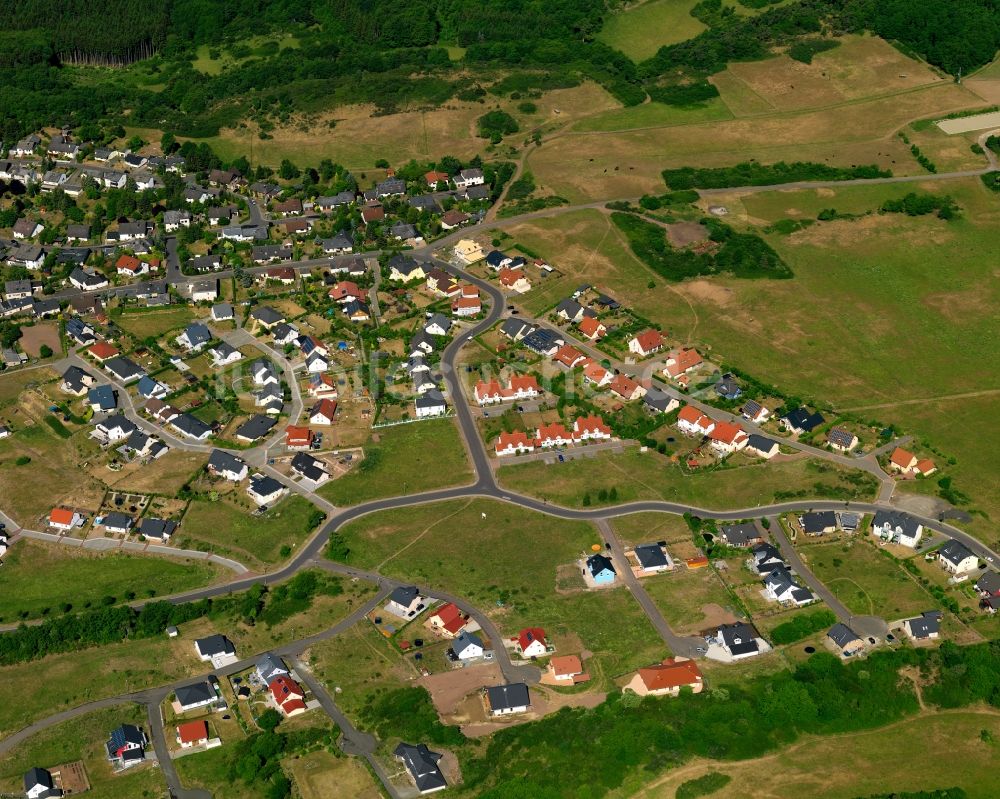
(667, 678)
(626, 387)
(569, 356)
(448, 620)
(567, 670)
(453, 219)
(297, 437)
(466, 306)
(514, 280)
(726, 438)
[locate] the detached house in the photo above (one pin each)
(65, 520)
(741, 535)
(38, 784)
(226, 465)
(194, 337)
(514, 280)
(592, 328)
(841, 440)
(323, 412)
(754, 412)
(680, 362)
(693, 422)
(503, 700)
(957, 558)
(448, 620)
(801, 421)
(265, 490)
(406, 601)
(626, 387)
(601, 569)
(126, 746)
(667, 678)
(761, 446)
(739, 640)
(646, 343)
(924, 627)
(727, 438)
(531, 642)
(422, 765)
(298, 438)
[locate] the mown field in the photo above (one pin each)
(644, 28)
(407, 459)
(37, 578)
(842, 109)
(525, 577)
(863, 763)
(637, 475)
(146, 324)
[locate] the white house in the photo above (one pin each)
(223, 355)
(466, 646)
(897, 528)
(957, 558)
(265, 490)
(503, 700)
(514, 443)
(693, 422)
(430, 404)
(406, 601)
(646, 343)
(226, 465)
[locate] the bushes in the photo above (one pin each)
(914, 204)
(752, 173)
(494, 125)
(704, 785)
(802, 626)
(684, 94)
(521, 187)
(409, 714)
(805, 49)
(741, 254)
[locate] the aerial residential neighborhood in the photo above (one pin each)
(501, 400)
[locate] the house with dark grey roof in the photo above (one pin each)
(957, 558)
(406, 601)
(841, 440)
(160, 529)
(191, 426)
(268, 667)
(761, 446)
(86, 280)
(989, 584)
(739, 640)
(652, 558)
(845, 639)
(76, 381)
(38, 784)
(225, 464)
(801, 421)
(895, 527)
(543, 341)
(102, 399)
(266, 317)
(503, 700)
(124, 369)
(741, 535)
(126, 746)
(340, 244)
(222, 312)
(198, 694)
(430, 403)
(116, 522)
(257, 426)
(264, 490)
(515, 328)
(656, 400)
(422, 765)
(765, 558)
(818, 522)
(114, 428)
(194, 337)
(467, 646)
(727, 388)
(214, 646)
(309, 468)
(80, 332)
(924, 627)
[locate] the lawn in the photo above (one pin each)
(600, 165)
(641, 528)
(229, 530)
(863, 763)
(145, 324)
(636, 476)
(166, 475)
(37, 577)
(407, 459)
(866, 580)
(654, 115)
(683, 597)
(642, 29)
(516, 588)
(75, 678)
(320, 775)
(83, 739)
(53, 472)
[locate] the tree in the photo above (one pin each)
(45, 351)
(288, 170)
(168, 143)
(269, 720)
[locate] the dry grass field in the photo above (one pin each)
(645, 27)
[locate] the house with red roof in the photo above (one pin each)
(626, 387)
(693, 422)
(467, 306)
(903, 461)
(590, 428)
(65, 519)
(567, 669)
(569, 356)
(519, 387)
(667, 678)
(592, 328)
(926, 467)
(101, 351)
(433, 178)
(646, 343)
(130, 266)
(726, 438)
(322, 385)
(553, 435)
(596, 374)
(298, 437)
(192, 733)
(287, 695)
(488, 393)
(682, 361)
(515, 443)
(531, 643)
(344, 291)
(448, 620)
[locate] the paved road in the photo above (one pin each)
(864, 626)
(353, 741)
(686, 646)
(158, 736)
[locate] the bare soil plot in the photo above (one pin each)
(683, 234)
(448, 689)
(692, 601)
(165, 475)
(33, 338)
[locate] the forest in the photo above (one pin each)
(74, 61)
